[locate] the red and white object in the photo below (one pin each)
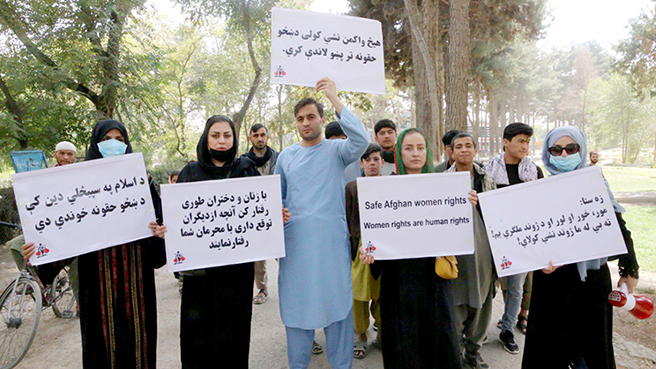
(639, 306)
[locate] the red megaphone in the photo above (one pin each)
(639, 306)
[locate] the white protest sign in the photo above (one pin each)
(563, 219)
(79, 208)
(223, 222)
(413, 216)
(307, 46)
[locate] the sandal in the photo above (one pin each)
(377, 344)
(522, 324)
(360, 350)
(316, 348)
(261, 297)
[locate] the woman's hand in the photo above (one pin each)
(631, 282)
(366, 259)
(28, 251)
(158, 230)
(473, 197)
(286, 215)
(550, 269)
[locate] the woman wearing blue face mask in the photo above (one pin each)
(570, 325)
(118, 314)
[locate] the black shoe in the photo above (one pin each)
(475, 361)
(508, 340)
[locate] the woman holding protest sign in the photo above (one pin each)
(571, 319)
(216, 309)
(416, 304)
(118, 315)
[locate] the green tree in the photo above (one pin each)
(637, 56)
(620, 118)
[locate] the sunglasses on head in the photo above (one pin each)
(572, 148)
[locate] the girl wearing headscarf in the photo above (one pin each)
(416, 305)
(215, 321)
(571, 321)
(118, 315)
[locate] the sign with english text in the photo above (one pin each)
(78, 208)
(222, 222)
(308, 46)
(413, 216)
(564, 219)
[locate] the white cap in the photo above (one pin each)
(65, 145)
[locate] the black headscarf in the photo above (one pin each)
(205, 170)
(99, 131)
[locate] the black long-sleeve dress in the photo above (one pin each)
(572, 320)
(118, 308)
(216, 309)
(416, 311)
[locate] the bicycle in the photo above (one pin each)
(21, 303)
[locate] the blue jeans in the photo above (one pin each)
(512, 294)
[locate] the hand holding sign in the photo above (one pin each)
(222, 222)
(75, 209)
(533, 225)
(366, 257)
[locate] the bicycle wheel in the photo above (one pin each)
(20, 309)
(62, 297)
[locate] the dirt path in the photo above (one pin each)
(636, 198)
(57, 344)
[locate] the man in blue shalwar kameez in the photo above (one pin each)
(315, 275)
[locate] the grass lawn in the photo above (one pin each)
(624, 179)
(641, 221)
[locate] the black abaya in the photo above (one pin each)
(416, 316)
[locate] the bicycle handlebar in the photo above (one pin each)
(12, 225)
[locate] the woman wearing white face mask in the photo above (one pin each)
(570, 322)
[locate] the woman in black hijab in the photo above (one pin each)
(215, 324)
(118, 315)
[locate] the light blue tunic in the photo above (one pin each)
(315, 275)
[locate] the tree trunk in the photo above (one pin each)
(457, 69)
(477, 106)
(425, 58)
(238, 117)
(17, 113)
(280, 125)
(492, 121)
(110, 65)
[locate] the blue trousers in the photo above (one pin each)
(513, 294)
(339, 345)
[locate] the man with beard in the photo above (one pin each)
(315, 274)
(265, 159)
(65, 153)
(385, 131)
(594, 158)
